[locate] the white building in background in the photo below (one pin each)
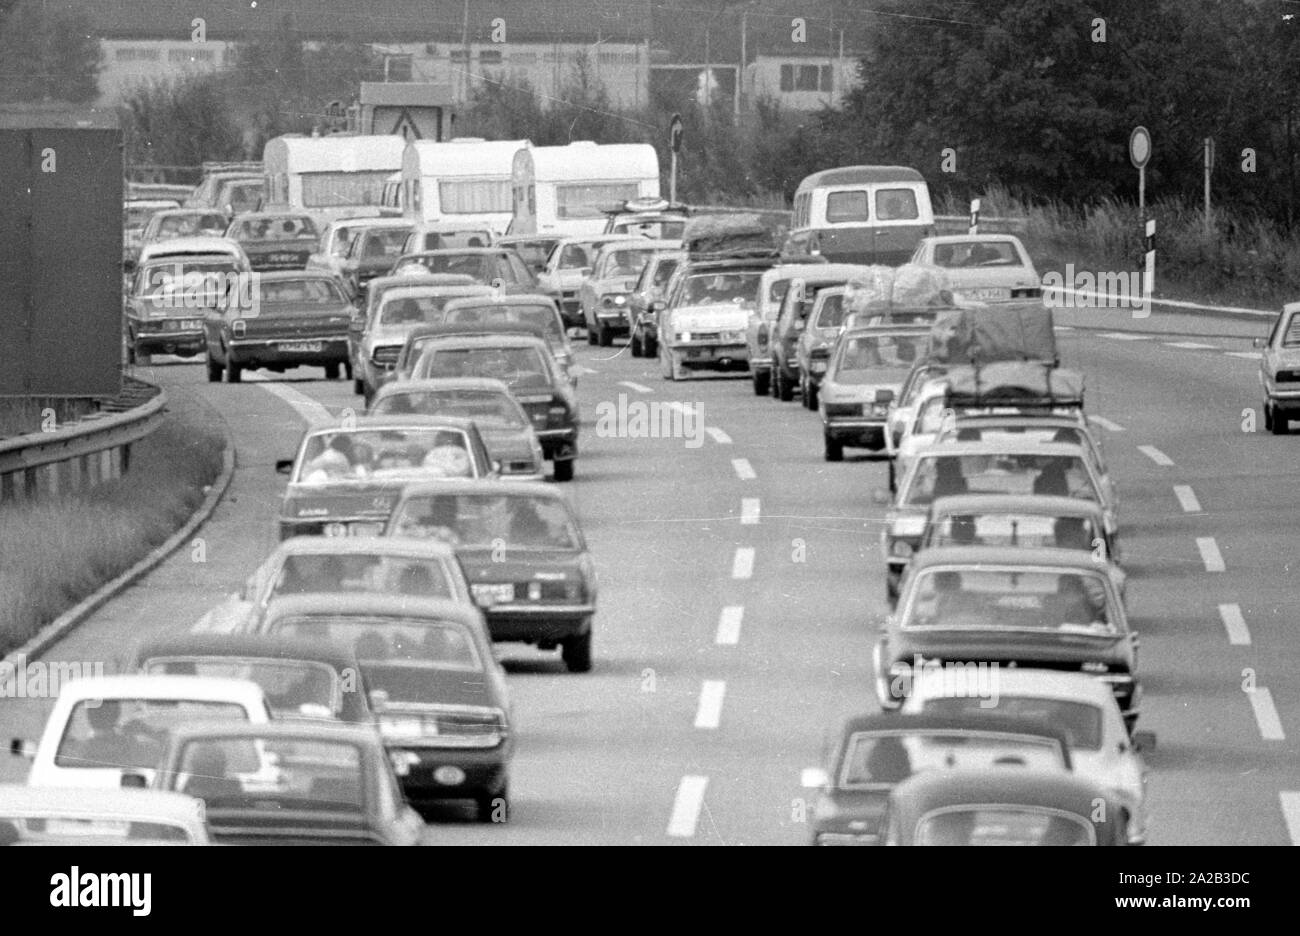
(807, 82)
(127, 64)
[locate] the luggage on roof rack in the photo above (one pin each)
(986, 334)
(1021, 384)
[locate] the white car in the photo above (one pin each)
(927, 417)
(180, 248)
(984, 267)
(107, 726)
(53, 816)
(1079, 704)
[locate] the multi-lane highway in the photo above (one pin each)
(742, 587)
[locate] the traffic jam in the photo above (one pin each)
(354, 686)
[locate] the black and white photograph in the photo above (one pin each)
(651, 423)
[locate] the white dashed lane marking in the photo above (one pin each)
(1247, 355)
(1191, 345)
(1210, 554)
(1106, 424)
(749, 510)
(742, 567)
(729, 625)
(709, 713)
(1125, 336)
(1234, 624)
(1290, 803)
(634, 386)
(302, 404)
(717, 435)
(1187, 498)
(1270, 726)
(744, 470)
(686, 806)
(1157, 456)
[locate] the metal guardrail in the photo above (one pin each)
(960, 224)
(94, 449)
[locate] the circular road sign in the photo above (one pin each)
(1139, 147)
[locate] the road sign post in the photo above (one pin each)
(1209, 166)
(675, 141)
(1139, 153)
(974, 216)
(1149, 273)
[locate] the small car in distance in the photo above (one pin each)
(524, 555)
(645, 301)
(135, 216)
(1279, 370)
(982, 267)
(275, 240)
(537, 311)
(603, 296)
(291, 783)
(866, 369)
(1001, 807)
(53, 816)
(568, 264)
(812, 349)
(875, 753)
(533, 249)
(168, 295)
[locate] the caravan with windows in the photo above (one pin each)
(568, 190)
(460, 184)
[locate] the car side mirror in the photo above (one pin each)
(284, 466)
(813, 778)
(1144, 741)
(1260, 343)
(134, 781)
(21, 748)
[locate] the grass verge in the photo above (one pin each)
(55, 552)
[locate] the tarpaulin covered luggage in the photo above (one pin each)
(1015, 383)
(1004, 332)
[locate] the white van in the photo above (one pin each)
(567, 189)
(861, 214)
(463, 182)
(332, 176)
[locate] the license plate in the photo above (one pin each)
(301, 346)
(534, 591)
(365, 529)
(493, 594)
(991, 292)
(191, 325)
(284, 258)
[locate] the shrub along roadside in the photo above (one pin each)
(55, 552)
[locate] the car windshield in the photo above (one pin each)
(625, 262)
(131, 734)
(882, 759)
(378, 453)
(297, 687)
(488, 521)
(711, 288)
(830, 311)
(382, 244)
(1078, 721)
(414, 308)
(135, 217)
(991, 253)
(243, 196)
(663, 272)
(1015, 472)
(1011, 529)
(1291, 337)
(1003, 825)
(187, 284)
(975, 432)
(486, 407)
(875, 358)
(303, 291)
(481, 267)
(212, 224)
(984, 598)
(275, 229)
(272, 774)
(518, 368)
(79, 829)
(533, 253)
(361, 573)
(659, 230)
(542, 318)
(393, 641)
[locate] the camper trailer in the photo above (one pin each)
(568, 190)
(330, 177)
(464, 183)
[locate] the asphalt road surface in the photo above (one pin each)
(741, 588)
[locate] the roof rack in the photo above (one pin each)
(1036, 385)
(246, 166)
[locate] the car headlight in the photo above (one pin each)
(879, 409)
(818, 367)
(684, 336)
(902, 549)
(733, 337)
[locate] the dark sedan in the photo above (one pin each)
(372, 253)
(291, 783)
(488, 265)
(275, 240)
(875, 753)
(440, 694)
(524, 556)
(300, 319)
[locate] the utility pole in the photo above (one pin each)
(464, 41)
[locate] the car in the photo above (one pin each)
(443, 235)
(1027, 522)
(172, 223)
(1008, 608)
(52, 816)
(183, 249)
(649, 217)
(492, 266)
(645, 301)
(984, 267)
(1002, 467)
(104, 726)
(791, 321)
(536, 310)
(568, 264)
(345, 477)
(862, 214)
(301, 679)
(524, 554)
(874, 753)
(903, 410)
(301, 319)
(772, 288)
(275, 240)
(528, 368)
(395, 307)
(705, 308)
(603, 296)
(337, 565)
(301, 784)
(812, 348)
(439, 692)
(1082, 708)
(1279, 370)
(505, 427)
(337, 238)
(533, 249)
(1001, 807)
(864, 374)
(373, 251)
(135, 217)
(929, 411)
(230, 190)
(167, 296)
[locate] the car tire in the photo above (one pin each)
(358, 387)
(234, 373)
(1281, 424)
(130, 349)
(563, 470)
(893, 478)
(666, 364)
(649, 346)
(367, 396)
(576, 652)
(143, 360)
(214, 370)
(634, 344)
(762, 380)
(347, 370)
(784, 392)
(604, 337)
(332, 371)
(486, 806)
(810, 395)
(834, 449)
(591, 335)
(1268, 416)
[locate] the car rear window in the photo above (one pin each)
(1009, 473)
(1003, 825)
(488, 520)
(1016, 599)
(880, 758)
(320, 291)
(298, 687)
(310, 774)
(131, 733)
(1008, 529)
(977, 254)
(1078, 721)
